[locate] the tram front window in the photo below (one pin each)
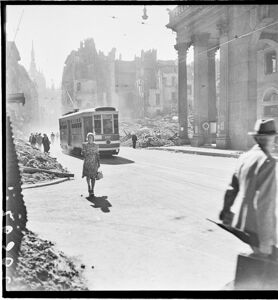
(107, 124)
(97, 123)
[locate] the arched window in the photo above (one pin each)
(271, 95)
(270, 99)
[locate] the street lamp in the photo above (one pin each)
(144, 17)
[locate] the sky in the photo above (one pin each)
(56, 30)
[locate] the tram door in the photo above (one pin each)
(69, 132)
(88, 126)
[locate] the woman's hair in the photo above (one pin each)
(90, 134)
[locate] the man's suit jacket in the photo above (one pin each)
(253, 195)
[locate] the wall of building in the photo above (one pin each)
(267, 88)
(242, 33)
(18, 81)
(94, 71)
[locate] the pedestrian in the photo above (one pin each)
(52, 136)
(91, 163)
(253, 192)
(39, 141)
(30, 137)
(33, 140)
(46, 143)
(57, 136)
(134, 140)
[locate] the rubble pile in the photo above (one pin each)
(29, 156)
(42, 268)
(160, 131)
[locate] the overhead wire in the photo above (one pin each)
(16, 31)
(18, 25)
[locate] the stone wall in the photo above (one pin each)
(18, 81)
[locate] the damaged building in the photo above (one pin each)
(88, 78)
(18, 81)
(142, 87)
(48, 97)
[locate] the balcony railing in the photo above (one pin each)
(177, 12)
(181, 11)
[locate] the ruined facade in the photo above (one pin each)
(88, 78)
(247, 38)
(141, 87)
(18, 81)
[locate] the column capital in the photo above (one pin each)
(182, 47)
(211, 52)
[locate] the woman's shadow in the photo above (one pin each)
(100, 202)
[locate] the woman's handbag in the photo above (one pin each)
(99, 175)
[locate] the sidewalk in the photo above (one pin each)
(202, 151)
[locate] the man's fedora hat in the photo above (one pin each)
(264, 127)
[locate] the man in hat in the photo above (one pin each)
(252, 192)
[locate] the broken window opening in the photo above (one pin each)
(270, 62)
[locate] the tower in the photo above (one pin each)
(33, 68)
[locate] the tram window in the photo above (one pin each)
(116, 124)
(97, 123)
(107, 124)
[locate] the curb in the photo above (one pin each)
(36, 185)
(233, 155)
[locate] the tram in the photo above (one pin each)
(102, 121)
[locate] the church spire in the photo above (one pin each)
(32, 53)
(33, 68)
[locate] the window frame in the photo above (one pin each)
(268, 62)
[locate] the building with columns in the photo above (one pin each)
(247, 39)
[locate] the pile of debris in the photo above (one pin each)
(42, 268)
(160, 131)
(33, 162)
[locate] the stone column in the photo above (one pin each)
(201, 89)
(182, 91)
(212, 110)
(222, 138)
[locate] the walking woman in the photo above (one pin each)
(91, 162)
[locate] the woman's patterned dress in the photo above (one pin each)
(91, 160)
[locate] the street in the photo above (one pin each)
(147, 227)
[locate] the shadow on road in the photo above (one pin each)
(106, 160)
(100, 202)
(115, 160)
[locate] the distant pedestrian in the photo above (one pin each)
(52, 136)
(39, 141)
(134, 140)
(57, 136)
(33, 140)
(91, 162)
(253, 187)
(30, 137)
(46, 143)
